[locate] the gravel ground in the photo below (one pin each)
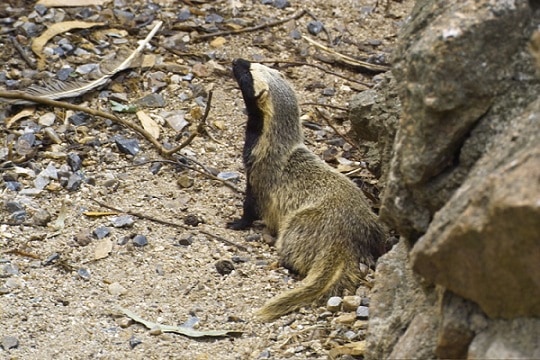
(62, 287)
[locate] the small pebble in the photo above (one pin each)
(133, 342)
(186, 241)
(155, 167)
(47, 119)
(228, 175)
(265, 354)
(74, 182)
(365, 301)
(74, 161)
(315, 27)
(224, 267)
(192, 220)
(334, 304)
(183, 15)
(152, 101)
(253, 237)
(139, 240)
(281, 4)
(362, 313)
(51, 259)
(128, 146)
(116, 289)
(185, 181)
(13, 283)
(346, 319)
(351, 302)
(155, 330)
(83, 237)
(79, 118)
(41, 217)
(84, 273)
(101, 231)
(10, 342)
(239, 259)
(122, 221)
(329, 92)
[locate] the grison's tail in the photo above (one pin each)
(325, 275)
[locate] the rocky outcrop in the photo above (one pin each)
(463, 186)
(374, 115)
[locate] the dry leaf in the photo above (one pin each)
(26, 112)
(55, 29)
(103, 249)
(71, 3)
(148, 124)
(100, 213)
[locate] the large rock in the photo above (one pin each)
(452, 68)
(463, 189)
(374, 117)
(491, 227)
(400, 307)
(508, 339)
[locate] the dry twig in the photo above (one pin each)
(302, 63)
(65, 105)
(250, 29)
(139, 215)
(23, 53)
(327, 120)
(347, 59)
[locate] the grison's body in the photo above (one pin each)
(324, 226)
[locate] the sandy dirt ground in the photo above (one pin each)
(62, 287)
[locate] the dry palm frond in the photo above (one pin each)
(59, 90)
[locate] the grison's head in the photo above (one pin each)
(266, 93)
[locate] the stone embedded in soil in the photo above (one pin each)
(185, 181)
(151, 101)
(41, 217)
(155, 330)
(101, 231)
(122, 221)
(351, 302)
(13, 206)
(193, 220)
(83, 237)
(127, 146)
(10, 342)
(47, 119)
(224, 267)
(74, 182)
(362, 313)
(51, 259)
(328, 92)
(116, 289)
(239, 259)
(155, 167)
(186, 241)
(315, 27)
(365, 301)
(334, 304)
(228, 175)
(139, 240)
(79, 118)
(346, 319)
(133, 342)
(84, 273)
(253, 237)
(74, 161)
